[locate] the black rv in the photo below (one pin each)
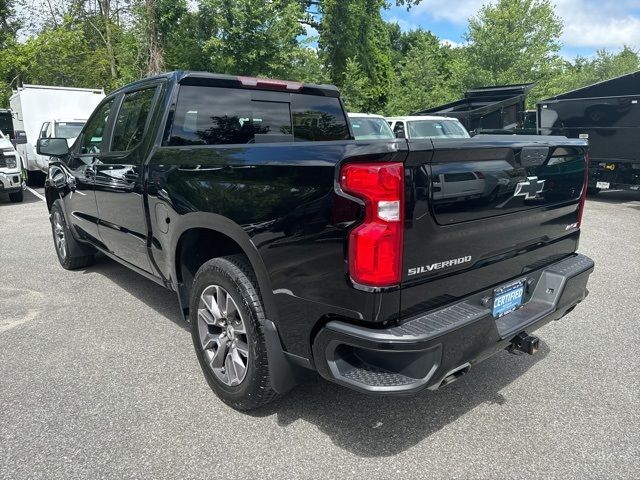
(608, 114)
(497, 109)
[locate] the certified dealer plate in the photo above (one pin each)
(508, 298)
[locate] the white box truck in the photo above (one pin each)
(34, 105)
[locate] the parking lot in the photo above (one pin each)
(98, 380)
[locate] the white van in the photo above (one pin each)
(421, 127)
(33, 105)
(368, 126)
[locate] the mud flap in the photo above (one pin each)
(283, 372)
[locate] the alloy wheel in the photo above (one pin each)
(223, 335)
(58, 235)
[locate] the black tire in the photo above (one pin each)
(16, 197)
(234, 274)
(59, 228)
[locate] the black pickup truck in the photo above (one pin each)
(388, 266)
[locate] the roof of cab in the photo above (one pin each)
(238, 81)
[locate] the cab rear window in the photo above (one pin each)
(223, 116)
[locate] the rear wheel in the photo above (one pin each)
(63, 240)
(226, 328)
(16, 197)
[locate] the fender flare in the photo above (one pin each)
(219, 224)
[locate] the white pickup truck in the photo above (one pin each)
(58, 128)
(11, 181)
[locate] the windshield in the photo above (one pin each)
(370, 128)
(437, 129)
(68, 129)
(6, 123)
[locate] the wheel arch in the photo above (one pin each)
(200, 237)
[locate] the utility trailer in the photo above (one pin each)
(497, 109)
(608, 114)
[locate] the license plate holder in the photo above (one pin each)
(508, 298)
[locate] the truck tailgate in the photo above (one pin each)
(482, 211)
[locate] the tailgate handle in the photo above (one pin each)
(533, 156)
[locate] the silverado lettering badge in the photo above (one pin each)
(439, 265)
(530, 188)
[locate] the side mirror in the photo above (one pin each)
(473, 133)
(53, 147)
(21, 137)
(400, 134)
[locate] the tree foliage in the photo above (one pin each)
(427, 73)
(354, 31)
(378, 66)
(513, 41)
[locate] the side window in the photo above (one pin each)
(49, 132)
(399, 129)
(317, 118)
(128, 128)
(92, 138)
(43, 130)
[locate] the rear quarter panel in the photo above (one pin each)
(280, 199)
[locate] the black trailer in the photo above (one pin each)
(608, 114)
(498, 109)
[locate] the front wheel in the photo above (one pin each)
(63, 241)
(16, 197)
(227, 332)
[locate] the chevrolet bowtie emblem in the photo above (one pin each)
(530, 188)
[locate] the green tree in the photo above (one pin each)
(427, 74)
(513, 41)
(354, 91)
(355, 30)
(586, 71)
(252, 37)
(8, 28)
(8, 24)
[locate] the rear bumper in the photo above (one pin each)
(431, 349)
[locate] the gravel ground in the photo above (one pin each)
(98, 380)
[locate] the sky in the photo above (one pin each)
(589, 25)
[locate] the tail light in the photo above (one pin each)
(375, 246)
(585, 186)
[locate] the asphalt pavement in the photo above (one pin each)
(98, 380)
